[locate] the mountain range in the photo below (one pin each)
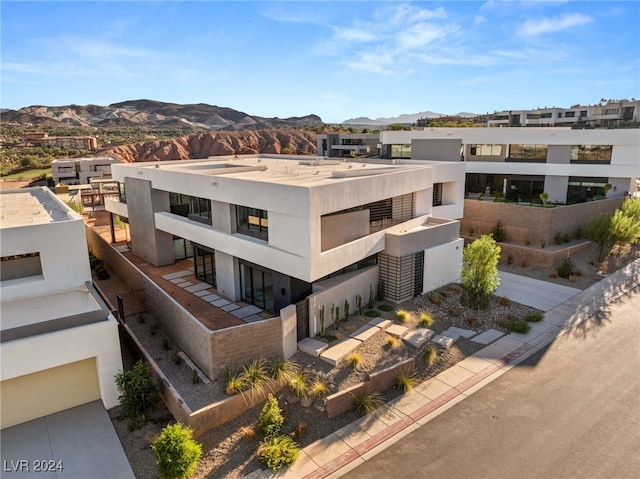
(190, 117)
(151, 113)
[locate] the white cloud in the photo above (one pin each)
(557, 24)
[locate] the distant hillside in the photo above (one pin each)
(405, 119)
(203, 145)
(153, 114)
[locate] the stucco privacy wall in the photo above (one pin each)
(334, 291)
(529, 223)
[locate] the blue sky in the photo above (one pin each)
(338, 60)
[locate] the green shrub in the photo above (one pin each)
(385, 307)
(138, 393)
(426, 320)
(402, 316)
(406, 381)
(566, 268)
(165, 344)
(372, 313)
(430, 356)
(534, 317)
(437, 300)
(299, 384)
(365, 402)
(319, 387)
(479, 274)
(278, 451)
(354, 359)
(235, 384)
(498, 233)
(254, 373)
(271, 418)
(281, 369)
(176, 452)
(176, 358)
(517, 325)
(391, 342)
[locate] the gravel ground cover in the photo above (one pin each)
(229, 450)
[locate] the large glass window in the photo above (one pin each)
(534, 153)
(256, 286)
(252, 222)
(485, 150)
(204, 262)
(192, 207)
(582, 189)
(182, 248)
(525, 190)
(400, 151)
(591, 154)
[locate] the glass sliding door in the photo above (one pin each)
(204, 262)
(256, 286)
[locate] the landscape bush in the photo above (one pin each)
(479, 274)
(138, 393)
(534, 317)
(517, 325)
(278, 451)
(365, 402)
(271, 419)
(177, 453)
(565, 270)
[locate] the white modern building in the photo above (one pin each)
(613, 113)
(271, 230)
(80, 171)
(59, 345)
(570, 165)
(346, 145)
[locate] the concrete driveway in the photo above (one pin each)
(538, 294)
(78, 443)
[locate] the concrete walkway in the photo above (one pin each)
(538, 294)
(78, 443)
(342, 451)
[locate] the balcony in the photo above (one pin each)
(420, 234)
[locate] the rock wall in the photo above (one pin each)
(203, 145)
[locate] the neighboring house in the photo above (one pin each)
(603, 115)
(80, 171)
(572, 166)
(348, 145)
(41, 138)
(59, 344)
(273, 230)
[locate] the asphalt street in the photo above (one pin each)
(572, 410)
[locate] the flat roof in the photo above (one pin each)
(304, 171)
(31, 206)
(36, 309)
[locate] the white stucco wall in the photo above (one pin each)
(37, 353)
(442, 264)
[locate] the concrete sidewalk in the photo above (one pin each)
(538, 294)
(342, 451)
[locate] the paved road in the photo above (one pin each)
(572, 410)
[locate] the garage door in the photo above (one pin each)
(45, 392)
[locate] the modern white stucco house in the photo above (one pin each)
(570, 165)
(80, 171)
(272, 230)
(59, 344)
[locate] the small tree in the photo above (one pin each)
(598, 231)
(138, 393)
(176, 452)
(479, 273)
(544, 197)
(498, 232)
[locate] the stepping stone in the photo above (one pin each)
(444, 341)
(397, 330)
(312, 346)
(254, 318)
(202, 293)
(418, 337)
(176, 275)
(230, 307)
(197, 287)
(220, 302)
(380, 322)
(456, 333)
(488, 336)
(122, 249)
(364, 333)
(184, 284)
(336, 353)
(210, 297)
(246, 311)
(178, 281)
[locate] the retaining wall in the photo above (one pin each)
(379, 382)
